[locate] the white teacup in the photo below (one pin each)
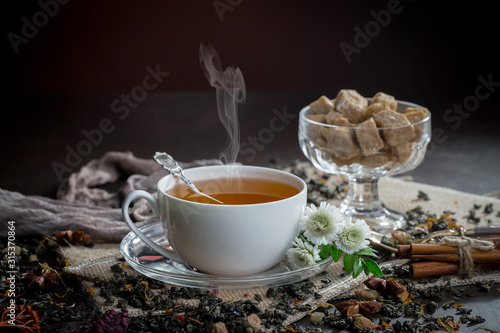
(232, 239)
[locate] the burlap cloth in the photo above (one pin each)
(89, 264)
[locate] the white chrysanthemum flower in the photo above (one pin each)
(322, 225)
(353, 237)
(302, 254)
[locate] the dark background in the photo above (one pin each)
(64, 78)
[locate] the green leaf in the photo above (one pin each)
(367, 251)
(349, 260)
(372, 267)
(357, 269)
(324, 251)
(336, 253)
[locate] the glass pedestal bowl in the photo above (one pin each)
(363, 153)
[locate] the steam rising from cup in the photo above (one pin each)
(231, 90)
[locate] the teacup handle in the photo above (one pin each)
(140, 194)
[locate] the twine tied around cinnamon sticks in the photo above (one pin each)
(465, 245)
(455, 255)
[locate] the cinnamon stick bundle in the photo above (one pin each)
(441, 259)
(425, 269)
(438, 252)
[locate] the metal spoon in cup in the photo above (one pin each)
(174, 168)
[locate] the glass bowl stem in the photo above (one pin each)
(362, 202)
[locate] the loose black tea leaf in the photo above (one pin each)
(472, 218)
(317, 189)
(486, 286)
(422, 196)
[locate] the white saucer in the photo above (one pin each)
(146, 261)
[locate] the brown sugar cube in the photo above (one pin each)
(325, 132)
(340, 141)
(402, 130)
(340, 162)
(368, 137)
(321, 105)
(314, 131)
(375, 161)
(319, 118)
(321, 142)
(322, 153)
(402, 153)
(415, 115)
(385, 150)
(351, 104)
(337, 119)
(383, 98)
(374, 108)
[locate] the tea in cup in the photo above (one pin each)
(247, 235)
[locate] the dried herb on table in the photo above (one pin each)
(68, 237)
(387, 287)
(417, 314)
(165, 311)
(231, 316)
(321, 187)
(434, 225)
(112, 321)
(485, 286)
(24, 318)
(318, 190)
(422, 196)
(367, 308)
(75, 312)
(417, 216)
(47, 278)
(59, 306)
(488, 209)
(472, 218)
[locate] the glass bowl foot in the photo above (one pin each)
(381, 220)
